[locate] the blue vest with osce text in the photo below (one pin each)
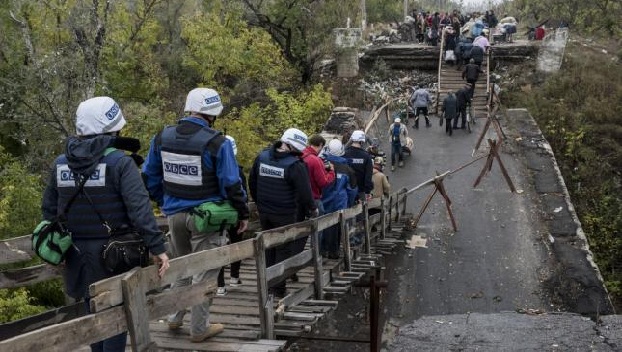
(82, 220)
(185, 174)
(274, 193)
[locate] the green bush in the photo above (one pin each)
(20, 198)
(16, 304)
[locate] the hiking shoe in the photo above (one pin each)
(175, 321)
(212, 330)
(175, 325)
(221, 291)
(235, 282)
(401, 164)
(392, 168)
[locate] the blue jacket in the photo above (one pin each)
(227, 172)
(343, 191)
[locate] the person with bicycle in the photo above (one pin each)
(463, 99)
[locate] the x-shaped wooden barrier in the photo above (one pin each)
(492, 107)
(440, 188)
(492, 155)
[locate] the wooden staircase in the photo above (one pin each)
(450, 79)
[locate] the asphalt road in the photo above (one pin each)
(514, 254)
(496, 259)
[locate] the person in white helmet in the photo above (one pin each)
(361, 162)
(279, 184)
(111, 177)
(190, 164)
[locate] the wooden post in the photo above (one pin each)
(266, 311)
(440, 66)
(390, 210)
(404, 190)
(136, 312)
(345, 238)
(397, 207)
(441, 189)
(317, 262)
(492, 155)
(366, 226)
(383, 223)
(424, 207)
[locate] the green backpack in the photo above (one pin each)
(214, 216)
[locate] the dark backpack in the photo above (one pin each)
(395, 134)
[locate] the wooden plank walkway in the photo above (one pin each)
(238, 310)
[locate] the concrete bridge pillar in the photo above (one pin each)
(346, 42)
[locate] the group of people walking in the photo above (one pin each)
(190, 164)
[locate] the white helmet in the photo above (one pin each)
(358, 136)
(295, 137)
(204, 101)
(98, 115)
(335, 147)
(233, 144)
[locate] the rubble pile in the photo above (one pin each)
(398, 86)
(343, 120)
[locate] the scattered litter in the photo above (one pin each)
(416, 241)
(557, 210)
(440, 322)
(479, 294)
(551, 239)
(519, 191)
(530, 311)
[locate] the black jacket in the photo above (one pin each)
(450, 106)
(279, 183)
(471, 72)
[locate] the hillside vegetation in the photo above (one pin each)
(578, 110)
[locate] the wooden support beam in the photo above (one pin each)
(317, 263)
(28, 276)
(367, 244)
(15, 250)
(266, 318)
(282, 270)
(345, 239)
(71, 335)
(136, 314)
(492, 155)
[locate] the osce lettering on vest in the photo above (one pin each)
(358, 161)
(271, 171)
(67, 178)
(182, 169)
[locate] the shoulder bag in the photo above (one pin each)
(51, 240)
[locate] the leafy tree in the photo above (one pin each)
(302, 29)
